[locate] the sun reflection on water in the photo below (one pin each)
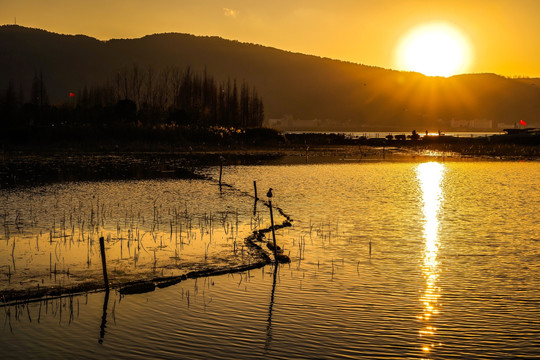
(430, 176)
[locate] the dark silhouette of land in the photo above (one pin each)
(340, 96)
(193, 98)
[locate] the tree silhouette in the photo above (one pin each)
(171, 97)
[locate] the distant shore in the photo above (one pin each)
(23, 167)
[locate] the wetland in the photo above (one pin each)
(416, 257)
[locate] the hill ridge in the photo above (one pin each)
(304, 91)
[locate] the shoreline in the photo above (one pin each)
(29, 168)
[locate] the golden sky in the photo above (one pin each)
(504, 35)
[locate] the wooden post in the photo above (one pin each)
(104, 262)
(220, 172)
(273, 231)
(270, 195)
(221, 161)
(255, 208)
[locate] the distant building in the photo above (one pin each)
(506, 125)
(289, 123)
(459, 124)
(471, 124)
(274, 123)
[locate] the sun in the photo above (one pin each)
(434, 49)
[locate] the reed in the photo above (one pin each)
(75, 224)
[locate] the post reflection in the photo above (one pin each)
(103, 324)
(268, 342)
(430, 176)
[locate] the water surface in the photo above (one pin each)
(389, 260)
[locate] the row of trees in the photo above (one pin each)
(147, 98)
(15, 111)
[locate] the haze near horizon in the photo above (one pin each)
(499, 37)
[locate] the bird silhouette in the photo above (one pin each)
(269, 193)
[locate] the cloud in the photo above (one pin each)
(230, 12)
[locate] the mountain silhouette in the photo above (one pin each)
(334, 95)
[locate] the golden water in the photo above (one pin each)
(389, 260)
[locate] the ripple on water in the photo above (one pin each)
(458, 281)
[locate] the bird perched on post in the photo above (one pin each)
(269, 193)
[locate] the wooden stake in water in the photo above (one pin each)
(269, 194)
(221, 160)
(104, 262)
(220, 172)
(256, 199)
